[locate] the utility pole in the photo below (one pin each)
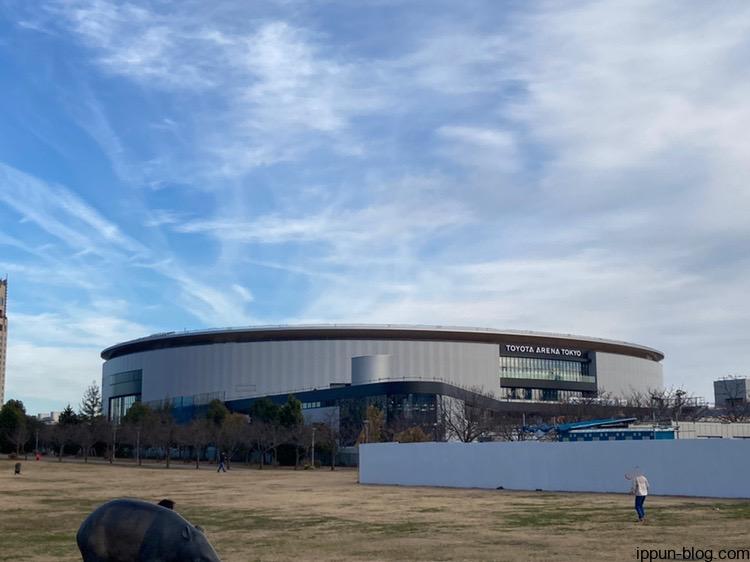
(138, 445)
(313, 446)
(114, 443)
(679, 393)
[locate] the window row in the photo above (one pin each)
(318, 404)
(537, 394)
(126, 376)
(547, 369)
(310, 405)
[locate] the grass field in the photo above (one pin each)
(321, 515)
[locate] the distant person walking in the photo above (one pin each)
(222, 462)
(640, 490)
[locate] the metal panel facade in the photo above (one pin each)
(621, 376)
(241, 370)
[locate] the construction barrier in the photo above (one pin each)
(691, 467)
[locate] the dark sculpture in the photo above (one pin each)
(127, 530)
(169, 504)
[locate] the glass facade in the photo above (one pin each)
(126, 376)
(519, 393)
(404, 410)
(539, 394)
(127, 382)
(545, 369)
(120, 405)
(125, 390)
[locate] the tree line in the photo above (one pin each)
(266, 433)
(277, 433)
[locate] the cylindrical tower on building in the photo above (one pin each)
(368, 369)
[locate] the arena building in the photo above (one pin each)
(339, 369)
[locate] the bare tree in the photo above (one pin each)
(265, 437)
(465, 420)
(216, 413)
(233, 434)
(675, 404)
(165, 430)
(196, 435)
(297, 435)
(52, 435)
(20, 434)
(507, 427)
(593, 406)
(138, 428)
(665, 405)
(330, 434)
(638, 400)
(86, 436)
(60, 435)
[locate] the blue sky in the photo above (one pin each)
(570, 167)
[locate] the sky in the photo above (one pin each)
(573, 167)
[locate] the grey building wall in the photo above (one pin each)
(731, 391)
(275, 367)
(621, 375)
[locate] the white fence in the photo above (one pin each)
(692, 467)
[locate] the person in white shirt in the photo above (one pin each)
(640, 491)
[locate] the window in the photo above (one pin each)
(119, 406)
(126, 376)
(545, 369)
(126, 383)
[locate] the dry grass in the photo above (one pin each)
(323, 515)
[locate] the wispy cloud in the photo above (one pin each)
(135, 41)
(73, 327)
(67, 218)
(393, 221)
(61, 213)
(271, 87)
(546, 166)
(206, 300)
(161, 217)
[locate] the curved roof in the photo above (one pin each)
(364, 331)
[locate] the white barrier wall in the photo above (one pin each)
(693, 467)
